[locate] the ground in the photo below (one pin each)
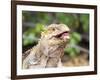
(80, 60)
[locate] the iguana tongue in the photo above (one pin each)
(65, 36)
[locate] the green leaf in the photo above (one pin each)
(84, 18)
(76, 36)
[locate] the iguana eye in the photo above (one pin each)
(53, 29)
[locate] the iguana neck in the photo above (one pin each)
(50, 55)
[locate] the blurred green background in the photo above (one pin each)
(33, 23)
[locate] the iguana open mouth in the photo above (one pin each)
(63, 34)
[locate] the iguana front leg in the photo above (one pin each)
(32, 58)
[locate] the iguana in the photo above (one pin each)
(50, 48)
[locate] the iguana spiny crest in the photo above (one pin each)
(50, 48)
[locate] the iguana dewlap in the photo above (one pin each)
(50, 48)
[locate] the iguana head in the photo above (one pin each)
(56, 34)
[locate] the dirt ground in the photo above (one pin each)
(80, 60)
